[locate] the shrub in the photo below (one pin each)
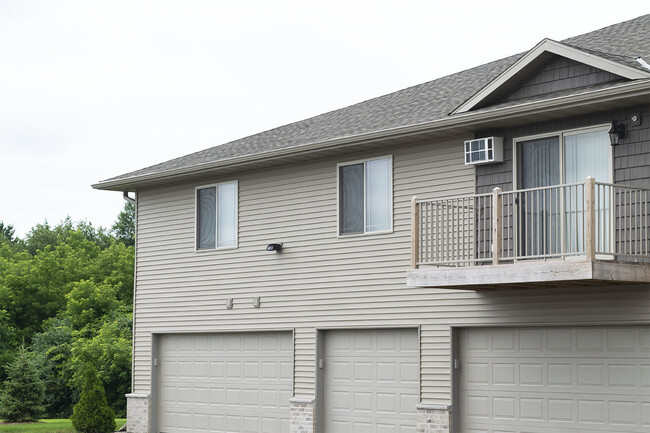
(22, 397)
(92, 414)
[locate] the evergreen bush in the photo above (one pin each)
(92, 414)
(21, 399)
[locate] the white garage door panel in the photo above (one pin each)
(533, 380)
(225, 382)
(371, 381)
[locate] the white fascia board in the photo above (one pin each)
(550, 46)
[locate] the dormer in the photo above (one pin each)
(553, 68)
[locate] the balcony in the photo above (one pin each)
(589, 233)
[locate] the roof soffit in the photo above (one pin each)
(535, 59)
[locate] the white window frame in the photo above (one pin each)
(560, 134)
(216, 219)
(338, 196)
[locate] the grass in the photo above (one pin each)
(47, 426)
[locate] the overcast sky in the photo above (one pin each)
(93, 89)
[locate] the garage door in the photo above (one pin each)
(533, 380)
(239, 382)
(371, 381)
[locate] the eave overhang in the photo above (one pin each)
(620, 95)
(539, 55)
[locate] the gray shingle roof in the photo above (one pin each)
(427, 102)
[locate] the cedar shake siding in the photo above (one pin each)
(631, 156)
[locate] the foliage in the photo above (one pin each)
(53, 355)
(8, 343)
(22, 397)
(7, 232)
(110, 351)
(42, 235)
(47, 426)
(124, 227)
(92, 414)
(88, 303)
(34, 282)
(114, 266)
(67, 292)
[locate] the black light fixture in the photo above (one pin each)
(277, 247)
(616, 132)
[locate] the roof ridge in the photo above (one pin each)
(618, 24)
(598, 52)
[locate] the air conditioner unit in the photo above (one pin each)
(484, 150)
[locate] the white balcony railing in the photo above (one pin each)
(591, 219)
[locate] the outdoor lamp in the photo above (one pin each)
(616, 132)
(277, 247)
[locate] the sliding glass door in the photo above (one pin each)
(551, 217)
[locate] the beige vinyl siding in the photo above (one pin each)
(304, 366)
(435, 357)
(322, 280)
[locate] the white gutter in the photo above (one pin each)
(635, 88)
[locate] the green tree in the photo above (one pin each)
(41, 236)
(97, 236)
(92, 414)
(114, 266)
(67, 290)
(33, 288)
(110, 351)
(22, 397)
(124, 227)
(88, 303)
(7, 232)
(52, 350)
(7, 343)
(17, 296)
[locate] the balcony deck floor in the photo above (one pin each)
(529, 274)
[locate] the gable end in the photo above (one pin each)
(536, 61)
(561, 74)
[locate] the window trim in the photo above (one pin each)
(561, 134)
(216, 219)
(338, 197)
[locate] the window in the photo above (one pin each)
(566, 157)
(366, 196)
(216, 216)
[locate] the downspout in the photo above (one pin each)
(135, 284)
(125, 195)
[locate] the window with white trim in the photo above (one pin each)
(216, 216)
(366, 196)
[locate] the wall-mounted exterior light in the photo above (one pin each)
(277, 247)
(616, 132)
